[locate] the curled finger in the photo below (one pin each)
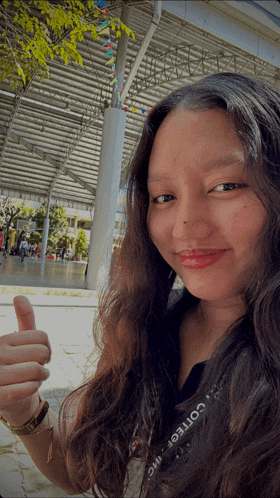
(22, 372)
(10, 395)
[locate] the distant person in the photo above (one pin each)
(13, 250)
(23, 248)
(7, 248)
(63, 253)
(69, 253)
(19, 240)
(33, 250)
(28, 249)
(58, 255)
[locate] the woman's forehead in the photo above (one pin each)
(182, 119)
(196, 137)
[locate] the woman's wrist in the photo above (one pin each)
(23, 414)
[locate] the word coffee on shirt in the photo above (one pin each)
(184, 426)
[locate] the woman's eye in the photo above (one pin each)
(227, 187)
(162, 199)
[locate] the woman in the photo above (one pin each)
(23, 249)
(190, 385)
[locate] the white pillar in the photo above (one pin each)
(107, 191)
(46, 231)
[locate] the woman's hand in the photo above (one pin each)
(22, 359)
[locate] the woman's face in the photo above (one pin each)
(200, 201)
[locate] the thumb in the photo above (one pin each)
(24, 313)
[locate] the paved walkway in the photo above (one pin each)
(32, 272)
(68, 322)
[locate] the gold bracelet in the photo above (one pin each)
(30, 426)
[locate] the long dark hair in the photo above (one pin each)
(129, 404)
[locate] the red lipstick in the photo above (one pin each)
(200, 258)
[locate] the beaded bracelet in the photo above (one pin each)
(30, 426)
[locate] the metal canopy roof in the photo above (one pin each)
(50, 136)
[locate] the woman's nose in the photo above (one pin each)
(191, 222)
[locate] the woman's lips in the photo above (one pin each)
(195, 262)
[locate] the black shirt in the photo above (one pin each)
(172, 322)
(191, 383)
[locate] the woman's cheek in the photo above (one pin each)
(245, 223)
(157, 228)
(238, 221)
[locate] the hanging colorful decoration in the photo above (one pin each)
(108, 48)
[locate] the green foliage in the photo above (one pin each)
(25, 213)
(65, 241)
(81, 243)
(58, 221)
(35, 237)
(58, 224)
(10, 211)
(34, 31)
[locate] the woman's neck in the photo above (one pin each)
(216, 316)
(201, 329)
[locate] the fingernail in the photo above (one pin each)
(48, 372)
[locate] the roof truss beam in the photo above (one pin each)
(27, 193)
(48, 158)
(168, 67)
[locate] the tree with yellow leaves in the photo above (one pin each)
(34, 31)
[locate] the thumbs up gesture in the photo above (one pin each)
(22, 359)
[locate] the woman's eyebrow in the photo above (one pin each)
(222, 162)
(157, 178)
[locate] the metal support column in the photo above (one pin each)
(46, 231)
(121, 52)
(106, 198)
